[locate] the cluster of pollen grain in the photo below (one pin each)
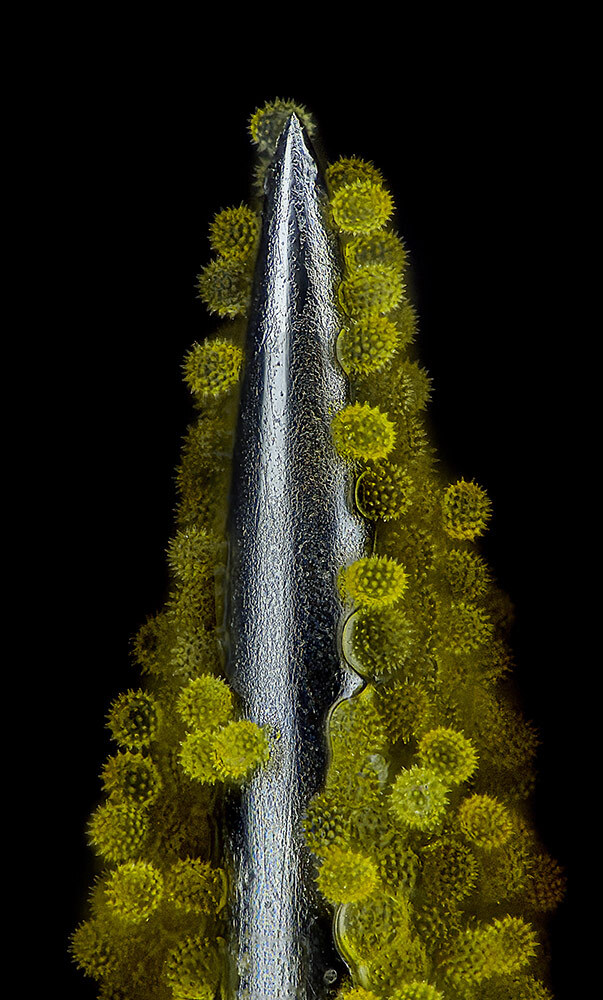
(218, 749)
(450, 758)
(225, 283)
(158, 917)
(421, 835)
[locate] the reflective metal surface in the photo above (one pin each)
(290, 530)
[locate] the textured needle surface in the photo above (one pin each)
(290, 530)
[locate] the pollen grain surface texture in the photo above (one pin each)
(320, 786)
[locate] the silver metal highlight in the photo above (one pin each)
(291, 527)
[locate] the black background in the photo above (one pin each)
(133, 163)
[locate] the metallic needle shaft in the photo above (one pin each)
(290, 530)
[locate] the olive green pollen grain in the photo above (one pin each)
(212, 368)
(371, 291)
(349, 169)
(363, 432)
(367, 344)
(361, 207)
(384, 491)
(466, 510)
(374, 581)
(382, 248)
(234, 232)
(225, 286)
